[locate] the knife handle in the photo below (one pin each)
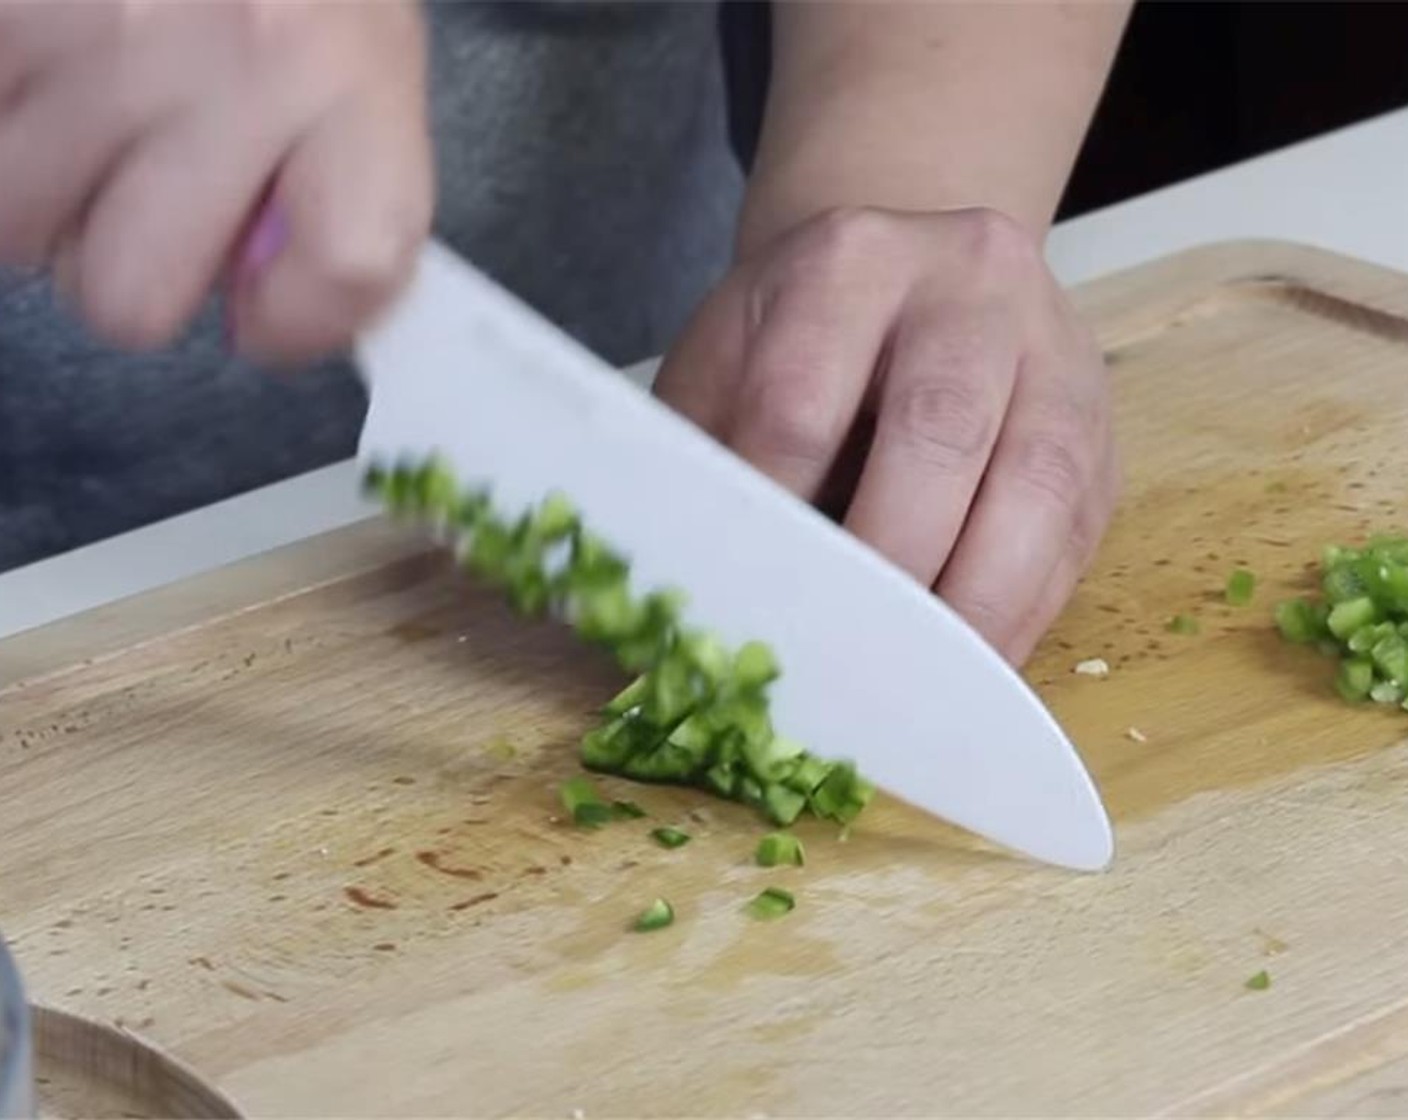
(264, 239)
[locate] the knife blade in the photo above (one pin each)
(875, 668)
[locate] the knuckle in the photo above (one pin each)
(123, 308)
(258, 27)
(837, 239)
(788, 419)
(366, 263)
(946, 422)
(24, 239)
(29, 208)
(316, 46)
(998, 247)
(127, 320)
(1049, 465)
(984, 611)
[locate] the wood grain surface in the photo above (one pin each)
(295, 820)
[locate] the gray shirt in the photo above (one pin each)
(583, 160)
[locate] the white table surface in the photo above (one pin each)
(1346, 191)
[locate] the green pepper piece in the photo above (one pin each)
(1349, 615)
(843, 795)
(594, 564)
(1341, 582)
(670, 837)
(1355, 678)
(708, 658)
(1301, 621)
(628, 699)
(528, 590)
(782, 805)
(666, 763)
(780, 848)
(606, 748)
(555, 519)
(1366, 637)
(669, 694)
(400, 488)
(1182, 624)
(605, 613)
(591, 815)
(583, 804)
(773, 758)
(694, 735)
(1241, 587)
(809, 774)
(438, 493)
(748, 718)
(489, 551)
(1390, 657)
(470, 511)
(1334, 555)
(754, 666)
(721, 779)
(1386, 692)
(772, 902)
(1385, 580)
(1392, 549)
(657, 915)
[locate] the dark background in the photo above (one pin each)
(1196, 86)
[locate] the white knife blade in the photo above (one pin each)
(875, 668)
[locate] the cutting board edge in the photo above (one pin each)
(204, 598)
(1127, 301)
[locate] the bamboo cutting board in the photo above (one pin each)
(294, 821)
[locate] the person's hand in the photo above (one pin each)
(137, 140)
(989, 469)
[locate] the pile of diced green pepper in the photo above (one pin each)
(1362, 619)
(697, 714)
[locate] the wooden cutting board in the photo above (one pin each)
(294, 820)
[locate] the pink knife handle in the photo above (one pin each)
(264, 238)
(267, 236)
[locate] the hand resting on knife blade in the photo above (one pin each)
(888, 347)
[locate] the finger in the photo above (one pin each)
(1075, 562)
(64, 266)
(161, 227)
(1043, 466)
(56, 143)
(807, 368)
(701, 372)
(34, 35)
(947, 385)
(357, 194)
(14, 75)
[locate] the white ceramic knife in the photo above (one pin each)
(875, 668)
